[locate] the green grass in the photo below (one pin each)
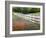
(30, 26)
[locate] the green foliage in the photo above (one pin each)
(34, 10)
(25, 10)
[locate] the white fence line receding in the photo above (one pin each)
(30, 17)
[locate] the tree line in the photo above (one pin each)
(25, 10)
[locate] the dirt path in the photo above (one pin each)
(22, 24)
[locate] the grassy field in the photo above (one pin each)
(22, 24)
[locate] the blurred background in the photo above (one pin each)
(25, 10)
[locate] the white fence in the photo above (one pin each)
(30, 17)
(35, 19)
